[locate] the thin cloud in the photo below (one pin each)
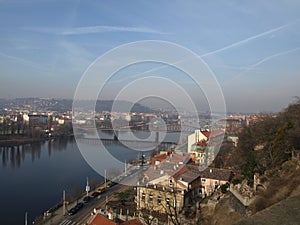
(253, 66)
(23, 61)
(148, 71)
(230, 67)
(273, 56)
(246, 40)
(92, 30)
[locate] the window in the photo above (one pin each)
(159, 200)
(203, 180)
(143, 196)
(150, 198)
(216, 182)
(170, 183)
(167, 201)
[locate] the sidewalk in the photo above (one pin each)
(56, 216)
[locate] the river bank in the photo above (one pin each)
(16, 141)
(20, 141)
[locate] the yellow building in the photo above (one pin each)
(169, 186)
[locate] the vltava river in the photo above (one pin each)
(34, 176)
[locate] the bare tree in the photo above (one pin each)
(172, 207)
(147, 214)
(166, 207)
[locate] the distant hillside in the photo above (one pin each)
(64, 105)
(121, 106)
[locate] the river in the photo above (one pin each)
(33, 176)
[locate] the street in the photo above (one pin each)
(84, 213)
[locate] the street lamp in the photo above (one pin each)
(87, 188)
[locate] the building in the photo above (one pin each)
(213, 178)
(100, 219)
(197, 136)
(204, 152)
(234, 140)
(169, 185)
(234, 124)
(173, 184)
(204, 144)
(38, 120)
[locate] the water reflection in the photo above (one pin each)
(14, 156)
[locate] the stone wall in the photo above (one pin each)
(238, 206)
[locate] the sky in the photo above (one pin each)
(251, 47)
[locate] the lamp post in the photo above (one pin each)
(125, 168)
(87, 188)
(64, 202)
(25, 218)
(105, 178)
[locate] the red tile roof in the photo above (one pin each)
(200, 143)
(206, 133)
(159, 157)
(213, 133)
(102, 220)
(170, 166)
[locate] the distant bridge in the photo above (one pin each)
(134, 143)
(145, 127)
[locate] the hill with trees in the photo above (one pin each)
(267, 144)
(265, 148)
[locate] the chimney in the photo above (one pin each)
(210, 170)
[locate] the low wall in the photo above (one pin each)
(240, 203)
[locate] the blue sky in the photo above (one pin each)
(253, 47)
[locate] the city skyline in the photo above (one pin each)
(252, 48)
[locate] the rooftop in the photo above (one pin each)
(100, 220)
(217, 174)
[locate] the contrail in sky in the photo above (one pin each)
(92, 30)
(22, 61)
(251, 67)
(272, 56)
(245, 40)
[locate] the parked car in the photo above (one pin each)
(95, 194)
(72, 211)
(79, 206)
(113, 184)
(86, 199)
(101, 190)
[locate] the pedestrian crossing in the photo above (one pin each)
(67, 222)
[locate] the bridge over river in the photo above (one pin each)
(133, 139)
(143, 144)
